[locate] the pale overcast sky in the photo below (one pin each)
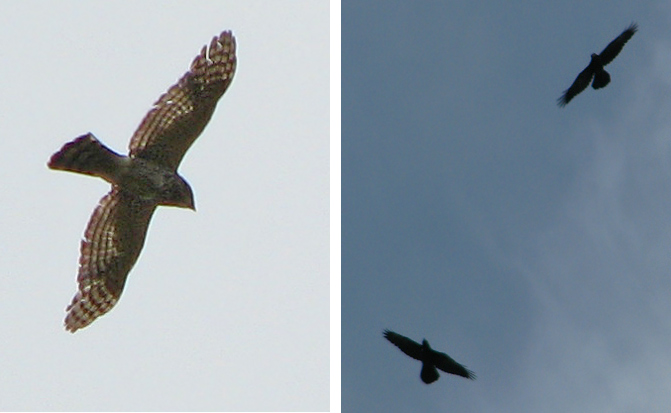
(530, 243)
(228, 307)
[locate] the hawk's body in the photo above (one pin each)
(141, 181)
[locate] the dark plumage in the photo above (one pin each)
(431, 359)
(595, 67)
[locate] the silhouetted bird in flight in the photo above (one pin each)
(431, 359)
(595, 67)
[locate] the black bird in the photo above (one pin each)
(595, 67)
(430, 358)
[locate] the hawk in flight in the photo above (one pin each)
(595, 67)
(431, 359)
(141, 181)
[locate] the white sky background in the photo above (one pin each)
(529, 242)
(227, 308)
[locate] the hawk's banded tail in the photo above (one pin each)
(87, 155)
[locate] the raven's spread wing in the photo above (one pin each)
(615, 47)
(409, 347)
(448, 365)
(579, 84)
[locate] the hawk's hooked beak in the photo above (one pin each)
(191, 204)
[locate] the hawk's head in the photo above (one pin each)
(177, 192)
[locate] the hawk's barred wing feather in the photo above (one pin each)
(112, 243)
(180, 114)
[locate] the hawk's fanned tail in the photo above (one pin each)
(86, 155)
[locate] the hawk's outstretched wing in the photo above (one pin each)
(111, 245)
(615, 47)
(448, 365)
(180, 114)
(408, 346)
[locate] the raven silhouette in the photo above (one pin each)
(431, 359)
(595, 67)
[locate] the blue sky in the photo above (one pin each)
(227, 308)
(530, 243)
